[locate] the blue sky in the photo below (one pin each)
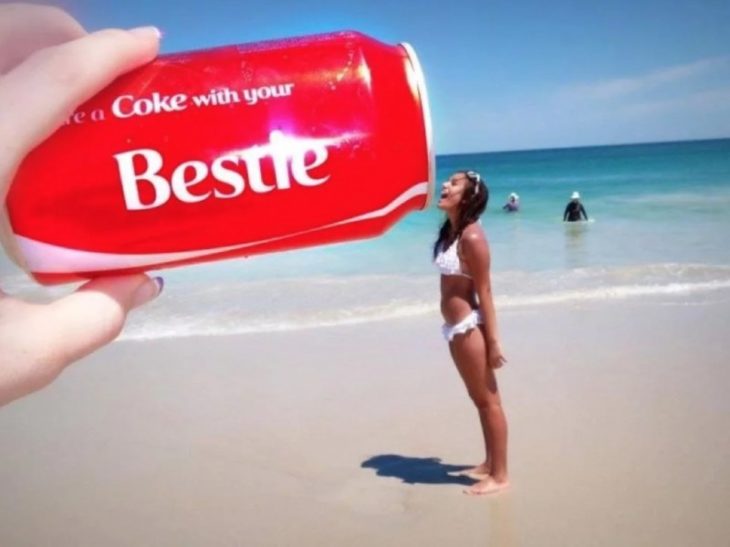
(503, 75)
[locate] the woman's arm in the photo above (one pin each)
(476, 254)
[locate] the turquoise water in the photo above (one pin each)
(652, 203)
(660, 225)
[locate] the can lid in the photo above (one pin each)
(8, 242)
(420, 82)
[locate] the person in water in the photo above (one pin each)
(461, 253)
(513, 203)
(574, 210)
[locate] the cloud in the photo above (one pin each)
(711, 100)
(618, 88)
(689, 101)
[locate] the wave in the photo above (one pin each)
(228, 305)
(621, 292)
(198, 327)
(324, 303)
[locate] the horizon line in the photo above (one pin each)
(547, 149)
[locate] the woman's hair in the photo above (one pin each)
(473, 203)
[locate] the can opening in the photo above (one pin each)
(423, 95)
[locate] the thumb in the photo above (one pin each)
(94, 315)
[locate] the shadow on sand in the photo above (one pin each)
(417, 470)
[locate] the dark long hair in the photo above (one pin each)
(473, 204)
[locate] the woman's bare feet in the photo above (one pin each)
(487, 486)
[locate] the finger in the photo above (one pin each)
(41, 340)
(26, 28)
(39, 94)
(94, 315)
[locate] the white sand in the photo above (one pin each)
(618, 419)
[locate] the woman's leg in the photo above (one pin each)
(469, 352)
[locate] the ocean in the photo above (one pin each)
(659, 228)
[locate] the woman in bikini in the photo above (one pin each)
(461, 253)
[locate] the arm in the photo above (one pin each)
(565, 214)
(476, 255)
(583, 210)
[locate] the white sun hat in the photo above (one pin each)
(575, 195)
(513, 195)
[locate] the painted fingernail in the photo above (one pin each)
(148, 291)
(147, 32)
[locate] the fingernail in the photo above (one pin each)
(160, 284)
(148, 291)
(147, 32)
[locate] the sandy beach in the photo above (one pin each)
(350, 435)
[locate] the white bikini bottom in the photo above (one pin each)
(465, 325)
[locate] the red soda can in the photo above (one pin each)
(227, 152)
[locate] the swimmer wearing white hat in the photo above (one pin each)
(574, 210)
(513, 203)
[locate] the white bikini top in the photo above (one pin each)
(448, 261)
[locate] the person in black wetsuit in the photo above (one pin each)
(513, 203)
(574, 209)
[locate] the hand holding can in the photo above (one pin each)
(227, 152)
(43, 49)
